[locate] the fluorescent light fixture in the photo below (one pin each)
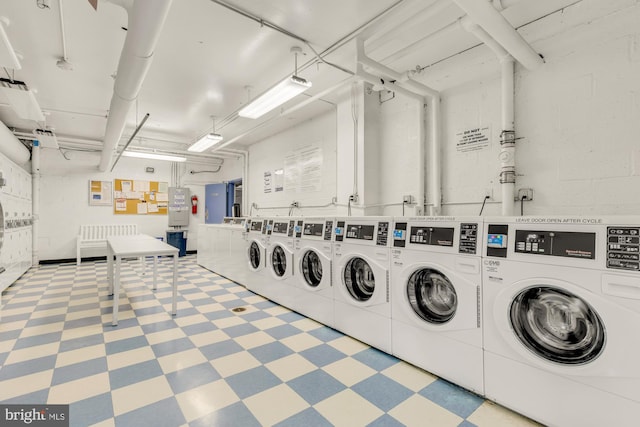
(205, 142)
(274, 97)
(154, 156)
(8, 57)
(21, 99)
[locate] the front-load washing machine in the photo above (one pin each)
(280, 262)
(436, 279)
(362, 307)
(256, 253)
(313, 256)
(561, 300)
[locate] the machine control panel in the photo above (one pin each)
(435, 236)
(328, 227)
(623, 248)
(312, 229)
(360, 232)
(298, 229)
(256, 226)
(497, 238)
(468, 238)
(280, 227)
(400, 235)
(383, 233)
(292, 224)
(556, 243)
(268, 227)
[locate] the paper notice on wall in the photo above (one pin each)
(121, 205)
(473, 139)
(162, 197)
(303, 170)
(144, 186)
(152, 207)
(142, 208)
(278, 179)
(163, 187)
(126, 186)
(134, 195)
(268, 182)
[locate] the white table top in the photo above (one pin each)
(139, 245)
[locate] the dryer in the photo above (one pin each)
(280, 262)
(313, 256)
(256, 253)
(436, 279)
(561, 300)
(362, 308)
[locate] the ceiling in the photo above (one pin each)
(210, 51)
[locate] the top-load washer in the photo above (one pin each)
(235, 261)
(561, 300)
(280, 262)
(256, 253)
(314, 251)
(436, 279)
(362, 307)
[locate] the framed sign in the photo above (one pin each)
(100, 193)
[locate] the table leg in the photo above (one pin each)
(116, 294)
(110, 269)
(155, 272)
(174, 309)
(143, 261)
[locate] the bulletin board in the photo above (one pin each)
(137, 197)
(100, 193)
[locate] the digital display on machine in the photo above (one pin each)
(556, 243)
(360, 232)
(339, 230)
(327, 230)
(468, 242)
(436, 236)
(400, 235)
(280, 227)
(256, 225)
(497, 241)
(313, 229)
(623, 248)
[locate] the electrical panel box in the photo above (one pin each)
(179, 206)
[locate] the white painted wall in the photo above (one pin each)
(65, 204)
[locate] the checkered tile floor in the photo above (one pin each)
(209, 366)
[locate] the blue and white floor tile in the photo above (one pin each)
(208, 366)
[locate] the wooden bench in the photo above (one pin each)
(95, 235)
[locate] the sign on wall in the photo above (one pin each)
(473, 139)
(136, 197)
(100, 193)
(303, 170)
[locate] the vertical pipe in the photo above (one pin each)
(436, 157)
(35, 200)
(507, 138)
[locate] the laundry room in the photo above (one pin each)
(443, 178)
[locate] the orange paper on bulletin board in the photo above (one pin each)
(137, 197)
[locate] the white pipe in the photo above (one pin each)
(484, 14)
(415, 90)
(507, 139)
(145, 21)
(484, 37)
(35, 200)
(11, 147)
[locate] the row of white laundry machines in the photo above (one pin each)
(539, 314)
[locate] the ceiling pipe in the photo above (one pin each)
(145, 21)
(486, 16)
(507, 136)
(12, 147)
(403, 81)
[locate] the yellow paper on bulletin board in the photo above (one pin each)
(147, 195)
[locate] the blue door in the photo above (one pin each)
(215, 203)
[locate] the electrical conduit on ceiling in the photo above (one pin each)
(416, 90)
(145, 21)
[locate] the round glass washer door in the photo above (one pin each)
(254, 255)
(432, 296)
(557, 325)
(359, 279)
(279, 261)
(311, 268)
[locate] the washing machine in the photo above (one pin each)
(280, 262)
(561, 310)
(436, 279)
(362, 306)
(256, 253)
(313, 260)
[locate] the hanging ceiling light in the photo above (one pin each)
(207, 141)
(277, 95)
(154, 156)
